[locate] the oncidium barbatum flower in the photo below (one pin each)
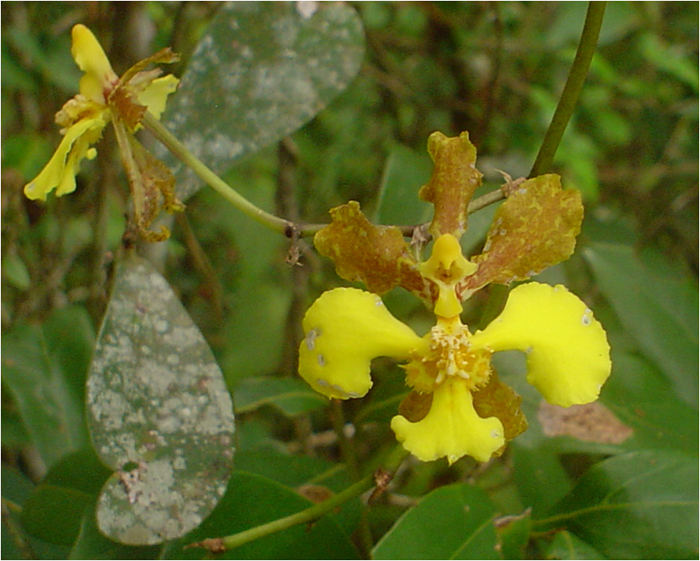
(457, 406)
(105, 97)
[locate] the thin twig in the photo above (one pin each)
(220, 545)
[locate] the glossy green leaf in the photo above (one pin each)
(452, 522)
(290, 395)
(45, 369)
(55, 508)
(657, 305)
(261, 70)
(642, 398)
(293, 470)
(92, 544)
(405, 173)
(298, 472)
(539, 475)
(255, 329)
(70, 338)
(159, 413)
(641, 505)
(566, 545)
(252, 500)
(514, 534)
(17, 543)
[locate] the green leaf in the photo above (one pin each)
(16, 542)
(641, 505)
(70, 338)
(261, 70)
(159, 413)
(255, 279)
(405, 173)
(675, 60)
(641, 397)
(452, 522)
(296, 472)
(290, 395)
(255, 330)
(293, 470)
(91, 544)
(514, 534)
(540, 477)
(657, 305)
(566, 545)
(253, 500)
(55, 508)
(45, 368)
(15, 271)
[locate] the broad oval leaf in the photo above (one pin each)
(45, 367)
(657, 305)
(566, 545)
(261, 71)
(452, 522)
(56, 506)
(641, 505)
(290, 395)
(159, 413)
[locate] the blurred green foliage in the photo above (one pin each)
(495, 69)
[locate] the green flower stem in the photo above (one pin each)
(305, 516)
(214, 181)
(572, 89)
(286, 227)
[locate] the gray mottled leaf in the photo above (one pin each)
(261, 70)
(159, 413)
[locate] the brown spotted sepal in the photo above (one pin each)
(535, 228)
(454, 180)
(378, 256)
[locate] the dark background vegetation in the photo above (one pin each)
(495, 69)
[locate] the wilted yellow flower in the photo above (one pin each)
(457, 406)
(104, 98)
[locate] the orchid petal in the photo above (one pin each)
(91, 59)
(64, 164)
(156, 94)
(451, 429)
(568, 355)
(344, 330)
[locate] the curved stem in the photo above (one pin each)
(220, 545)
(214, 181)
(287, 227)
(572, 88)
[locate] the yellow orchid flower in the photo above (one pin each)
(457, 405)
(567, 355)
(105, 98)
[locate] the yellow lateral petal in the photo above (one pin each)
(64, 164)
(451, 429)
(568, 355)
(156, 94)
(344, 330)
(91, 59)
